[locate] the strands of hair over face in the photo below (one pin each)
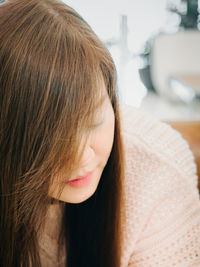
(51, 65)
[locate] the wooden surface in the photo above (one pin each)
(191, 80)
(190, 131)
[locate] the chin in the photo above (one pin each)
(78, 196)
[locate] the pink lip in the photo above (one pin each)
(80, 181)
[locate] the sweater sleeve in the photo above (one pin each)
(171, 233)
(163, 205)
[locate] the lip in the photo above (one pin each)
(81, 180)
(81, 177)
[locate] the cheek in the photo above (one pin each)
(103, 140)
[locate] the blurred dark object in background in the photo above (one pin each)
(189, 20)
(188, 12)
(146, 78)
(144, 71)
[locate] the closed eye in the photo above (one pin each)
(96, 125)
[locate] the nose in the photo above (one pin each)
(87, 157)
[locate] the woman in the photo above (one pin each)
(84, 182)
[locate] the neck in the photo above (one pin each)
(50, 240)
(53, 220)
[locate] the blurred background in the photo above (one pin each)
(156, 48)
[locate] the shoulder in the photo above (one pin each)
(160, 170)
(150, 141)
(160, 178)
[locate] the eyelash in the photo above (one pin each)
(96, 125)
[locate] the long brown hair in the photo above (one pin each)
(50, 65)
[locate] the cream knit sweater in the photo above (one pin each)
(162, 199)
(163, 204)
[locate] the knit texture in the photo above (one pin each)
(162, 198)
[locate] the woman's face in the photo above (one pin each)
(94, 158)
